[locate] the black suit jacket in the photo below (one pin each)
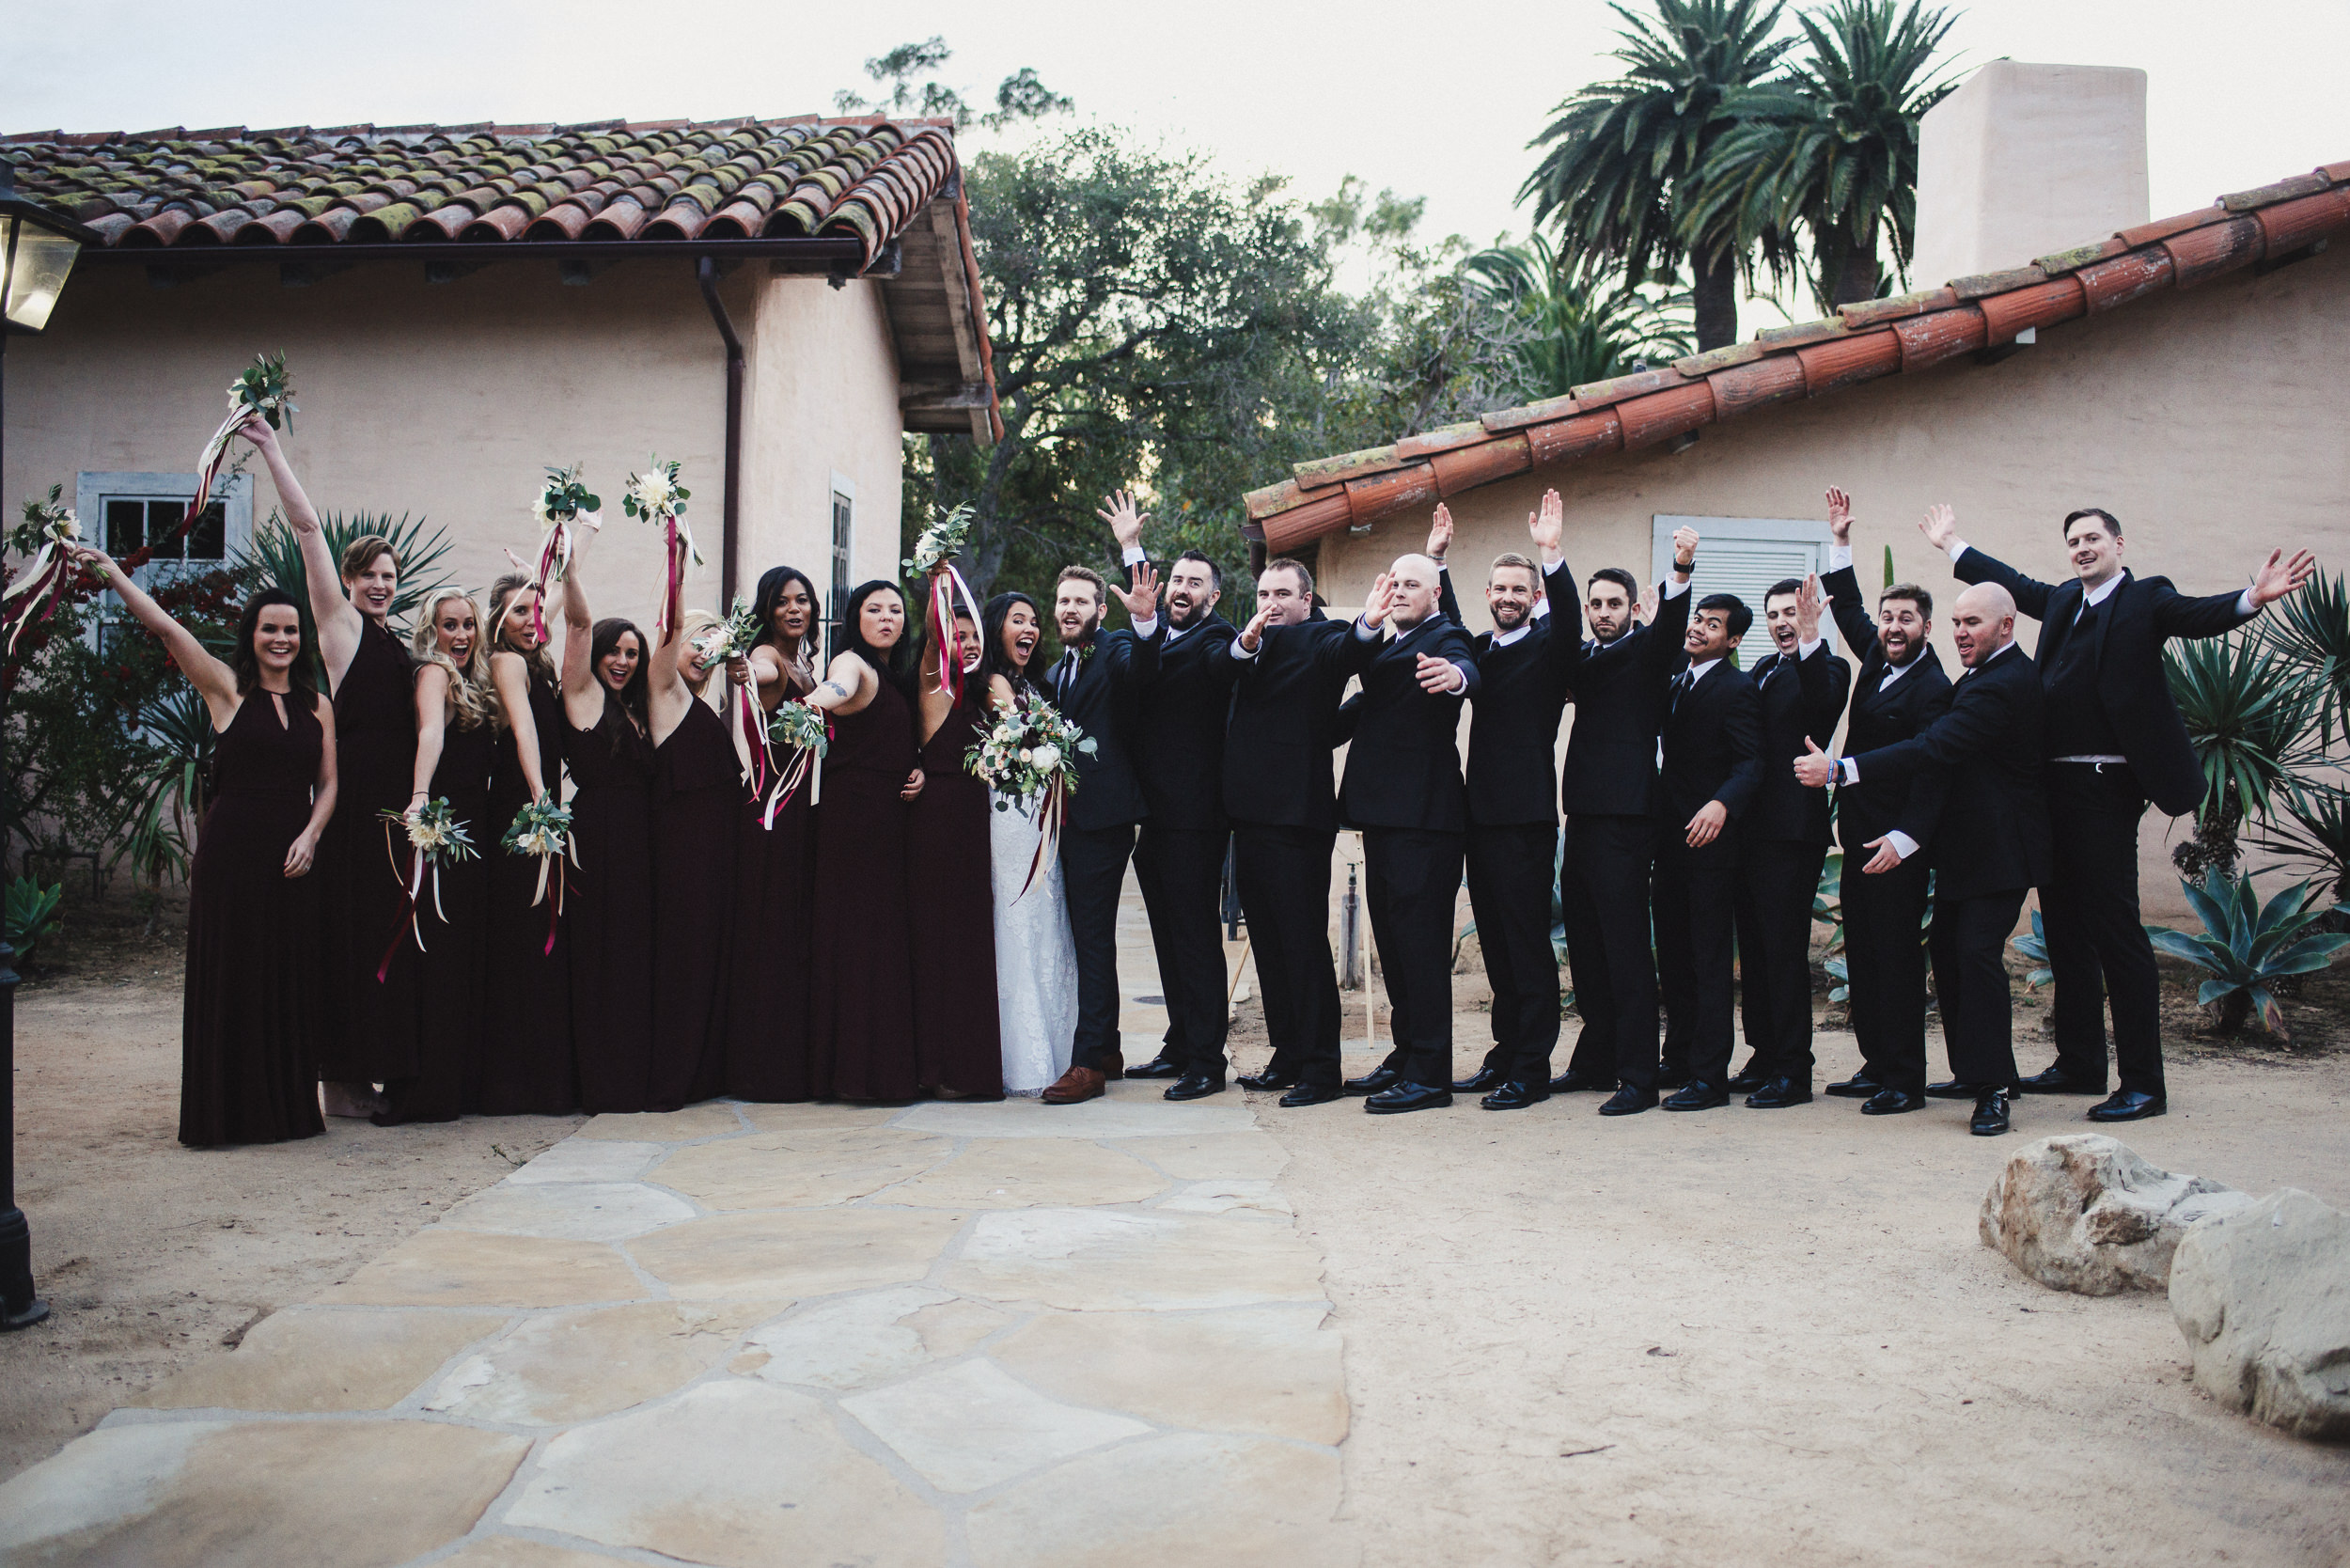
(1712, 748)
(1284, 724)
(1802, 700)
(1179, 744)
(2141, 614)
(1403, 764)
(1980, 761)
(1514, 728)
(1101, 701)
(1876, 806)
(1619, 704)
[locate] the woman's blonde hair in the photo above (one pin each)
(501, 594)
(470, 702)
(691, 625)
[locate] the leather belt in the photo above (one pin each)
(2101, 762)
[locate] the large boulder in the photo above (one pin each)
(2083, 1213)
(2263, 1296)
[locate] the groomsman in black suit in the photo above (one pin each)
(1179, 858)
(1782, 843)
(1708, 771)
(1403, 790)
(2115, 741)
(1097, 684)
(1289, 667)
(1901, 691)
(1607, 791)
(1512, 838)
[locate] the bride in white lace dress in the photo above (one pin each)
(1036, 957)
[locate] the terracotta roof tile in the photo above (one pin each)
(2206, 253)
(1980, 284)
(1722, 358)
(1321, 473)
(1796, 334)
(2162, 228)
(2268, 196)
(1532, 413)
(2060, 262)
(1632, 386)
(1440, 440)
(1870, 312)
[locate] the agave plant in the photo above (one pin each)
(2249, 714)
(275, 560)
(32, 910)
(2247, 947)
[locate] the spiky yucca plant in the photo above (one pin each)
(2247, 946)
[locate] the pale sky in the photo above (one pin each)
(1430, 100)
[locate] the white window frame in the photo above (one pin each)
(840, 546)
(92, 490)
(1806, 543)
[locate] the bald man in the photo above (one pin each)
(1403, 790)
(1980, 763)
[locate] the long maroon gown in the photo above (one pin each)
(255, 998)
(610, 911)
(861, 963)
(697, 801)
(370, 1028)
(958, 1042)
(453, 965)
(767, 1002)
(526, 1038)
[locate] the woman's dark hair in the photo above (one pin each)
(992, 659)
(247, 663)
(770, 585)
(896, 664)
(606, 637)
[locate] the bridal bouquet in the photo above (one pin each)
(32, 595)
(655, 497)
(261, 388)
(732, 639)
(436, 838)
(561, 499)
(934, 548)
(1029, 758)
(542, 829)
(806, 731)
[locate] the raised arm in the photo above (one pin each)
(206, 673)
(1825, 680)
(1661, 645)
(583, 693)
(1440, 540)
(509, 676)
(1844, 600)
(665, 690)
(338, 619)
(848, 685)
(2177, 615)
(1970, 565)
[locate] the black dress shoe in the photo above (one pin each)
(1573, 1082)
(1673, 1077)
(1955, 1089)
(1892, 1101)
(1311, 1094)
(1404, 1095)
(2056, 1081)
(1160, 1066)
(2128, 1104)
(1516, 1095)
(1266, 1080)
(1779, 1093)
(1373, 1081)
(1697, 1095)
(1990, 1118)
(1194, 1086)
(1859, 1086)
(1629, 1101)
(1748, 1079)
(1485, 1080)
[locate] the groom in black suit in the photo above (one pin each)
(1096, 683)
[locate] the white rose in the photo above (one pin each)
(1046, 758)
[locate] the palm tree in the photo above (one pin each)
(1623, 153)
(1829, 147)
(1579, 329)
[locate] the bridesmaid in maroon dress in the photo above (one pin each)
(697, 793)
(249, 1020)
(766, 1043)
(369, 1034)
(526, 1022)
(958, 1046)
(861, 968)
(609, 912)
(456, 740)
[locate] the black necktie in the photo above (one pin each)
(1065, 676)
(1682, 683)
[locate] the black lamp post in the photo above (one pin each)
(37, 250)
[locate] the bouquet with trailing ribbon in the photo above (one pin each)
(562, 498)
(436, 838)
(542, 829)
(262, 389)
(1029, 758)
(655, 497)
(935, 547)
(806, 731)
(32, 594)
(732, 639)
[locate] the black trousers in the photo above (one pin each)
(1182, 872)
(1969, 944)
(2096, 945)
(1508, 883)
(1604, 897)
(1094, 869)
(1282, 875)
(1886, 963)
(1776, 883)
(1695, 890)
(1412, 884)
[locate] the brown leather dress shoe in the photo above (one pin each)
(1078, 1083)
